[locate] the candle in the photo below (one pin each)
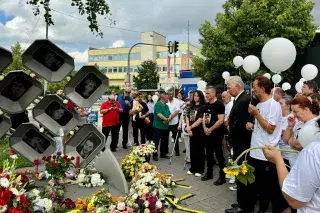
(78, 162)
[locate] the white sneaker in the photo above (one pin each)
(198, 175)
(233, 188)
(232, 180)
(180, 140)
(189, 173)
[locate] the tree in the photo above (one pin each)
(91, 8)
(243, 29)
(17, 59)
(148, 77)
(54, 87)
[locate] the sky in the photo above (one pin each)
(167, 17)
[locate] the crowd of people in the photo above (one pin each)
(269, 117)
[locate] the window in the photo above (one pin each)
(109, 69)
(164, 69)
(115, 69)
(162, 54)
(159, 69)
(110, 58)
(119, 69)
(124, 69)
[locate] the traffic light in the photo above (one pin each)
(170, 47)
(175, 46)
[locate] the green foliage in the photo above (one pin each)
(91, 8)
(54, 87)
(148, 77)
(243, 29)
(115, 88)
(17, 60)
(4, 155)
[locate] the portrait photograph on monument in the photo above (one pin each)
(36, 141)
(48, 58)
(16, 88)
(88, 145)
(88, 85)
(58, 113)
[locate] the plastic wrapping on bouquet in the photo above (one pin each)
(5, 59)
(54, 115)
(87, 143)
(17, 91)
(30, 143)
(48, 60)
(87, 86)
(5, 125)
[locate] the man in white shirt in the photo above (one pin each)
(226, 98)
(174, 107)
(266, 131)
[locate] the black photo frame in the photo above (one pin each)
(88, 85)
(17, 87)
(88, 145)
(59, 113)
(36, 141)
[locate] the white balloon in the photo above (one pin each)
(238, 61)
(308, 134)
(278, 54)
(251, 64)
(225, 75)
(167, 89)
(202, 85)
(267, 75)
(299, 86)
(276, 78)
(302, 80)
(162, 77)
(155, 98)
(309, 72)
(286, 86)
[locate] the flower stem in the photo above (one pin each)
(262, 147)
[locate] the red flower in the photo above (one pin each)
(5, 195)
(65, 157)
(24, 200)
(36, 162)
(49, 158)
(147, 195)
(58, 153)
(44, 158)
(54, 157)
(12, 152)
(1, 170)
(69, 203)
(15, 210)
(72, 158)
(34, 78)
(153, 211)
(54, 165)
(24, 178)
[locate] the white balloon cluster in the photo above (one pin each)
(278, 54)
(309, 72)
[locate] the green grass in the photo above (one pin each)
(4, 155)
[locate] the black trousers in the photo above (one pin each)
(268, 187)
(136, 126)
(114, 135)
(213, 144)
(197, 153)
(161, 137)
(149, 128)
(174, 130)
(124, 122)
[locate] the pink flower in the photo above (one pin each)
(130, 210)
(121, 206)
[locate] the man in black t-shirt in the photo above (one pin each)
(213, 128)
(139, 122)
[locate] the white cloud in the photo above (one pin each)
(118, 43)
(79, 57)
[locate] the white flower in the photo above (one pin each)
(3, 209)
(65, 101)
(1, 78)
(47, 204)
(32, 75)
(4, 182)
(68, 78)
(14, 156)
(146, 203)
(35, 192)
(152, 182)
(158, 204)
(71, 132)
(81, 177)
(131, 190)
(41, 129)
(135, 196)
(121, 206)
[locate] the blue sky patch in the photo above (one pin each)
(5, 17)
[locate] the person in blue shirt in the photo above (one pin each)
(126, 102)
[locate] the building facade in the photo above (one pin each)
(114, 61)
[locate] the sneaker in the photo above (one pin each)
(189, 173)
(232, 180)
(233, 188)
(180, 140)
(197, 175)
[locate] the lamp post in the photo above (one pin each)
(129, 53)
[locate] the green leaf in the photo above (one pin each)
(242, 179)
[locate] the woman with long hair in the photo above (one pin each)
(306, 111)
(195, 130)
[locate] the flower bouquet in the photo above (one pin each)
(245, 172)
(145, 150)
(130, 164)
(87, 178)
(57, 165)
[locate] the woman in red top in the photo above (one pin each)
(111, 121)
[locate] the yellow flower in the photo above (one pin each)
(75, 211)
(131, 174)
(90, 207)
(134, 161)
(225, 170)
(99, 210)
(244, 169)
